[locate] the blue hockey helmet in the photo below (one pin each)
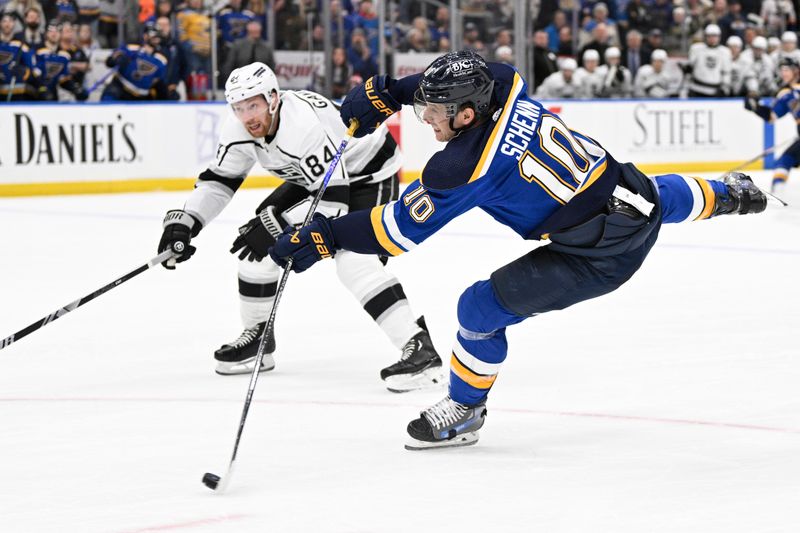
(455, 80)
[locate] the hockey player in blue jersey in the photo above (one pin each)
(786, 101)
(141, 71)
(520, 163)
(52, 62)
(16, 64)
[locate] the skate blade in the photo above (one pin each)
(465, 439)
(430, 378)
(225, 368)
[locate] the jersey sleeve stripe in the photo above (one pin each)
(708, 199)
(393, 229)
(494, 139)
(376, 217)
(698, 202)
(600, 167)
(471, 378)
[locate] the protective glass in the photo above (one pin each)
(249, 108)
(429, 112)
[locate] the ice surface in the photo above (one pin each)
(671, 405)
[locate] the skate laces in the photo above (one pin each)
(246, 337)
(445, 413)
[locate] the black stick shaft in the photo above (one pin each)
(279, 292)
(160, 258)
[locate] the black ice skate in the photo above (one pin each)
(447, 424)
(743, 196)
(239, 356)
(419, 366)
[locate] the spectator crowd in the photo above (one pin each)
(161, 49)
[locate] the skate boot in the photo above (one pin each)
(743, 196)
(239, 356)
(447, 424)
(419, 366)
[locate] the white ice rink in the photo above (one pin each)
(671, 405)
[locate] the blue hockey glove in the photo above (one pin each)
(370, 103)
(307, 245)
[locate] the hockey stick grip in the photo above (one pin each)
(157, 260)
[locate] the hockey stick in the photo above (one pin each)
(758, 157)
(13, 79)
(213, 481)
(157, 260)
(102, 80)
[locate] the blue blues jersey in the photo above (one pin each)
(524, 167)
(13, 54)
(788, 101)
(233, 24)
(54, 67)
(143, 71)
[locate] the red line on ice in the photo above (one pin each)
(184, 525)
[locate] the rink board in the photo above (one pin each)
(93, 148)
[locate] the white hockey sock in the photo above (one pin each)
(258, 281)
(379, 293)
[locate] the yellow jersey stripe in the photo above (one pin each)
(376, 217)
(491, 148)
(593, 176)
(708, 199)
(476, 380)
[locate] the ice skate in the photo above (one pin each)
(239, 356)
(447, 424)
(419, 367)
(743, 196)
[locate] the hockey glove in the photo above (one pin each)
(258, 235)
(179, 228)
(751, 104)
(307, 245)
(370, 103)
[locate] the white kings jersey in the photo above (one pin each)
(711, 69)
(555, 86)
(652, 84)
(300, 152)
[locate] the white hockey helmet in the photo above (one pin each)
(611, 52)
(658, 54)
(591, 55)
(759, 42)
(773, 42)
(568, 64)
(250, 80)
(712, 29)
(789, 37)
(734, 40)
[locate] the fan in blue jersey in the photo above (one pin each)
(141, 72)
(53, 64)
(520, 163)
(232, 21)
(786, 101)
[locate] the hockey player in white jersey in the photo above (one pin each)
(709, 66)
(760, 79)
(294, 135)
(589, 76)
(561, 84)
(740, 65)
(617, 82)
(788, 48)
(653, 80)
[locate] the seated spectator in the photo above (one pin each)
(636, 12)
(544, 60)
(20, 9)
(163, 9)
(177, 67)
(653, 81)
(340, 79)
(599, 41)
(107, 32)
(249, 49)
(232, 21)
(634, 54)
(503, 38)
(682, 32)
(561, 84)
(359, 55)
(195, 36)
(617, 81)
(32, 35)
(655, 40)
(414, 41)
(86, 40)
(62, 11)
(734, 22)
(778, 15)
(471, 38)
(88, 13)
(441, 24)
(660, 14)
(366, 18)
(553, 29)
(565, 45)
(443, 45)
(719, 10)
(600, 16)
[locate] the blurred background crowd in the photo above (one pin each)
(170, 49)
